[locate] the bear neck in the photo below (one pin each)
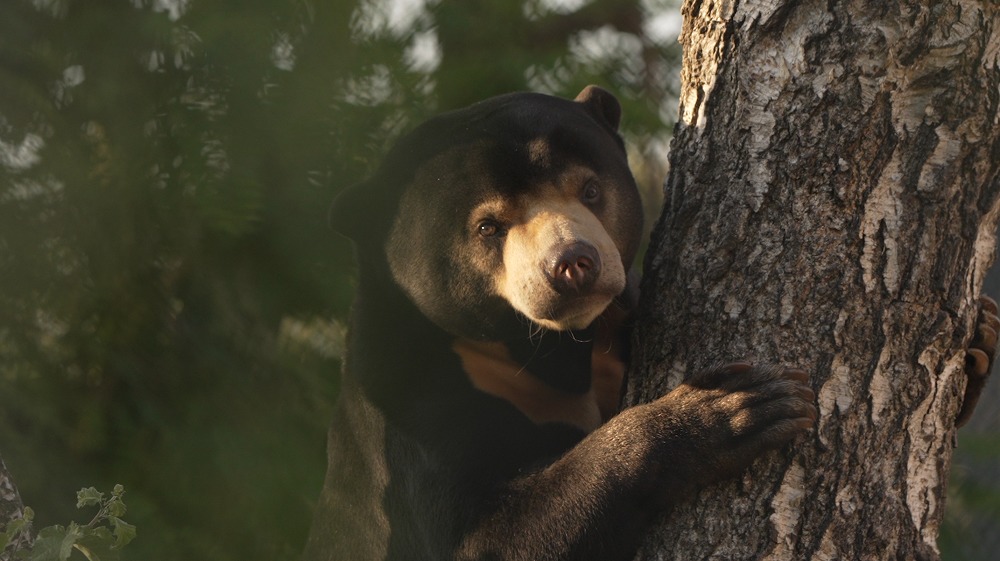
(396, 352)
(561, 359)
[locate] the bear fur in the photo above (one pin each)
(478, 415)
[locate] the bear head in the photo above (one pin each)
(514, 214)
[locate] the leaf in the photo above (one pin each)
(47, 544)
(55, 543)
(88, 497)
(124, 532)
(13, 529)
(116, 507)
(91, 556)
(98, 545)
(73, 533)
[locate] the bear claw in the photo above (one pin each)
(979, 357)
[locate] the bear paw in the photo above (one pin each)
(726, 417)
(979, 357)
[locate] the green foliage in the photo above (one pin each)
(968, 532)
(16, 528)
(99, 540)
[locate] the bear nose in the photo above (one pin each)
(574, 267)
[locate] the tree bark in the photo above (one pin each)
(11, 508)
(832, 204)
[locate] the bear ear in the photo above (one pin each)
(602, 105)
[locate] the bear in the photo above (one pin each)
(478, 415)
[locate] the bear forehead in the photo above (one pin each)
(515, 167)
(509, 166)
(519, 134)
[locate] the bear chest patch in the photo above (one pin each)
(492, 370)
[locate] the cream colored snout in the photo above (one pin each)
(561, 268)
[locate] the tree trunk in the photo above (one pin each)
(11, 508)
(832, 203)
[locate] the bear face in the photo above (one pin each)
(523, 207)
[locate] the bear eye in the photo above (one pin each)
(591, 193)
(488, 229)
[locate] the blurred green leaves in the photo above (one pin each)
(101, 539)
(88, 496)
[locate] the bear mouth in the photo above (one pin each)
(574, 313)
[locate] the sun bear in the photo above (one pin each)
(478, 416)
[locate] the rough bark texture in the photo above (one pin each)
(832, 203)
(11, 507)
